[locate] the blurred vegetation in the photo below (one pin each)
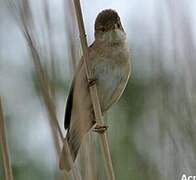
(152, 127)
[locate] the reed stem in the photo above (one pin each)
(4, 147)
(93, 92)
(27, 29)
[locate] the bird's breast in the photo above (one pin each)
(111, 73)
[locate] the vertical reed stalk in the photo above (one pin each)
(4, 147)
(86, 155)
(93, 93)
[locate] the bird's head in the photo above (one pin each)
(108, 27)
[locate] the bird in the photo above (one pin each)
(109, 63)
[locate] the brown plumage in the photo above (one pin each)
(106, 19)
(108, 61)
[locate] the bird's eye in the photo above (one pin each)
(102, 29)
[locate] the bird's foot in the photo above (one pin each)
(92, 82)
(100, 128)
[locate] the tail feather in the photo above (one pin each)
(74, 142)
(75, 134)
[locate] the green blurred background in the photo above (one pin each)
(152, 128)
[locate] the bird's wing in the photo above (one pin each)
(69, 103)
(81, 77)
(79, 115)
(68, 108)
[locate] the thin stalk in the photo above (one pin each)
(27, 29)
(86, 155)
(70, 30)
(48, 101)
(4, 147)
(93, 93)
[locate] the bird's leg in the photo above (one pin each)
(100, 128)
(91, 81)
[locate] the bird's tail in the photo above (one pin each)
(74, 141)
